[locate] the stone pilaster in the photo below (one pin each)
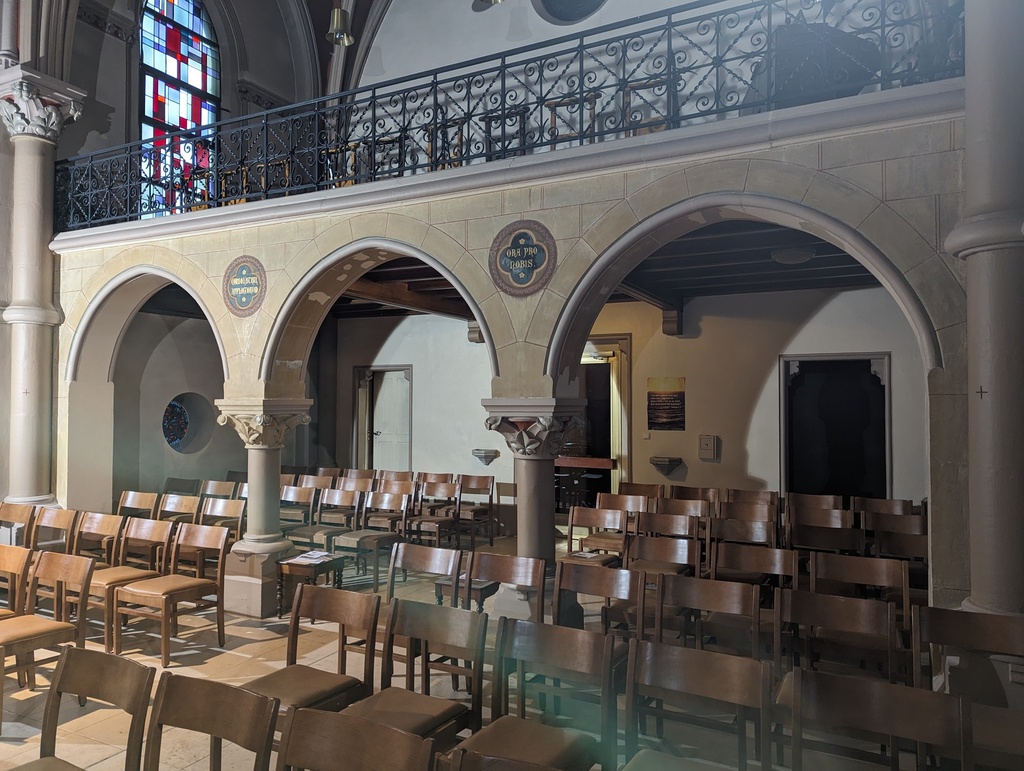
(535, 431)
(34, 110)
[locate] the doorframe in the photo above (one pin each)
(620, 373)
(362, 409)
(881, 367)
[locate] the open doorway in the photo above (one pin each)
(383, 418)
(836, 425)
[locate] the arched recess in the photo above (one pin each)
(631, 248)
(89, 373)
(291, 338)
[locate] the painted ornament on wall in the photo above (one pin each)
(245, 285)
(522, 258)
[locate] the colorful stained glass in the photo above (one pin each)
(175, 423)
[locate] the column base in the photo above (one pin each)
(970, 604)
(250, 580)
(48, 499)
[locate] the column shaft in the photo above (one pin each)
(263, 511)
(535, 507)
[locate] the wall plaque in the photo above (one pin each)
(245, 285)
(522, 258)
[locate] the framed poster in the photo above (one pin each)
(666, 404)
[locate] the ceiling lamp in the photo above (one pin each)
(340, 33)
(794, 256)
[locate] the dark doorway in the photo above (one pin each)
(836, 440)
(581, 486)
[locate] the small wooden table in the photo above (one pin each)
(308, 572)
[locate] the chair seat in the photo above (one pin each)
(318, 533)
(531, 741)
(48, 764)
(650, 760)
(360, 539)
(6, 613)
(27, 633)
(408, 711)
(659, 566)
(117, 576)
(162, 586)
(301, 686)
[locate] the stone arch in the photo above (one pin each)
(622, 253)
(308, 303)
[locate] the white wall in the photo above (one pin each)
(729, 356)
(160, 358)
(450, 376)
(6, 197)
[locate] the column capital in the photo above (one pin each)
(35, 105)
(263, 423)
(534, 428)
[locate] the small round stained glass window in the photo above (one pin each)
(175, 423)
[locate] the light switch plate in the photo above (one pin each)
(707, 447)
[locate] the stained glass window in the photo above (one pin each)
(175, 423)
(180, 90)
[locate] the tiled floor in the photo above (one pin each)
(92, 736)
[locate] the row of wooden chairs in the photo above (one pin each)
(177, 507)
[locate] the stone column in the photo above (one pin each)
(34, 111)
(250, 585)
(535, 431)
(989, 238)
(8, 33)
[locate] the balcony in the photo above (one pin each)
(697, 63)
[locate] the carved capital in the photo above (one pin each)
(263, 424)
(539, 436)
(26, 111)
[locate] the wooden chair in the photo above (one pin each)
(160, 597)
(229, 513)
(739, 531)
(845, 574)
(365, 542)
(67, 576)
(360, 484)
(662, 680)
(471, 515)
(340, 507)
(20, 518)
(360, 473)
(221, 711)
(710, 494)
(177, 508)
(137, 504)
(605, 541)
(90, 674)
(839, 540)
(618, 588)
(429, 524)
(96, 536)
(840, 704)
(432, 560)
(214, 488)
(388, 507)
(386, 475)
(439, 637)
(683, 507)
(53, 530)
(935, 629)
(316, 481)
(797, 501)
(652, 492)
(736, 495)
(300, 685)
(754, 564)
(580, 664)
(724, 616)
(179, 486)
(662, 554)
(632, 504)
(15, 562)
(237, 476)
(288, 478)
(486, 573)
(150, 535)
(296, 507)
(310, 736)
(327, 471)
(817, 517)
(882, 505)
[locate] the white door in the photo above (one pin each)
(391, 392)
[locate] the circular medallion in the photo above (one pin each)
(522, 258)
(245, 285)
(175, 423)
(570, 10)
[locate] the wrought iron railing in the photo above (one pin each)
(696, 63)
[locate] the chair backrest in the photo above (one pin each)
(397, 487)
(630, 503)
(302, 498)
(384, 475)
(215, 488)
(242, 491)
(210, 539)
(446, 636)
(237, 476)
(684, 552)
(593, 581)
(699, 596)
(319, 481)
(225, 510)
(425, 477)
(348, 501)
(660, 676)
(740, 531)
(14, 566)
(579, 660)
(843, 573)
(829, 702)
(327, 471)
(477, 484)
(68, 577)
(361, 473)
(783, 564)
(808, 538)
(425, 559)
(288, 479)
(137, 504)
(361, 484)
(902, 546)
(985, 633)
(796, 501)
(595, 519)
(311, 736)
(113, 679)
(173, 503)
(181, 486)
(676, 525)
(355, 613)
(639, 488)
(799, 614)
(522, 572)
(19, 514)
(397, 503)
(683, 507)
(97, 534)
(882, 505)
(748, 511)
(908, 524)
(152, 534)
(735, 495)
(48, 522)
(220, 710)
(683, 492)
(818, 517)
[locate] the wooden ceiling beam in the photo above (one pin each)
(399, 296)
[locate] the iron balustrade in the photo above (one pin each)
(698, 62)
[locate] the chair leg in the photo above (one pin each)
(221, 639)
(166, 620)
